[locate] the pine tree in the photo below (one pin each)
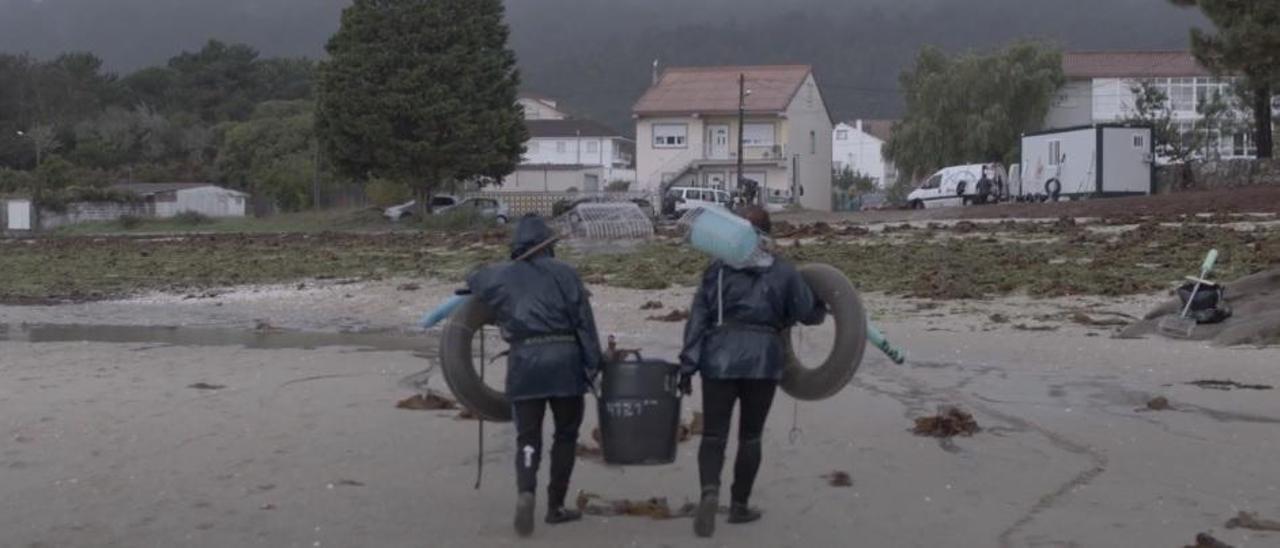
(422, 92)
(1245, 43)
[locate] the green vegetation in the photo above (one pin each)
(422, 93)
(1244, 43)
(971, 108)
(964, 262)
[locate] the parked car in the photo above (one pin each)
(488, 208)
(679, 199)
(959, 185)
(568, 204)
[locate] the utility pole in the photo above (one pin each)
(742, 116)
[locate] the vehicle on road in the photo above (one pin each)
(680, 199)
(487, 208)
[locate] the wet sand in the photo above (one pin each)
(106, 444)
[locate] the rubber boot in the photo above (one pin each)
(741, 513)
(561, 514)
(704, 518)
(524, 514)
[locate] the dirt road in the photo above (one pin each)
(295, 442)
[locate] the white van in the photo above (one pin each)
(680, 199)
(960, 185)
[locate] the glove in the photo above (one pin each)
(686, 383)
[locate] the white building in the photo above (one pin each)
(860, 146)
(564, 154)
(687, 132)
(168, 199)
(1100, 84)
(540, 107)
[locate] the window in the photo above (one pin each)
(562, 147)
(593, 147)
(813, 142)
(532, 147)
(1055, 153)
(1242, 145)
(1140, 142)
(670, 135)
(933, 182)
(842, 135)
(758, 135)
(1182, 94)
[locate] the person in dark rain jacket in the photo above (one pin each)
(734, 340)
(544, 313)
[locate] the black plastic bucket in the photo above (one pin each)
(639, 410)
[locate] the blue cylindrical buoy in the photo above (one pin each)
(435, 316)
(725, 236)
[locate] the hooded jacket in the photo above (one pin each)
(544, 313)
(759, 304)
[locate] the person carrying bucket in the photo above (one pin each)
(544, 313)
(734, 340)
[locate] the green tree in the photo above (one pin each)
(422, 92)
(1245, 43)
(851, 181)
(218, 83)
(272, 153)
(1175, 142)
(972, 108)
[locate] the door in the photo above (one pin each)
(591, 182)
(718, 137)
(715, 180)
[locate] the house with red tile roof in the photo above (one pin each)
(1099, 89)
(687, 132)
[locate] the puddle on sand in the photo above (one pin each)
(217, 336)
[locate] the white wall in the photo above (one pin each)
(807, 115)
(531, 179)
(209, 200)
(19, 214)
(1077, 174)
(1124, 165)
(652, 163)
(861, 152)
(1073, 106)
(537, 110)
(544, 150)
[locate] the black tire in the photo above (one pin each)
(1053, 188)
(835, 372)
(459, 369)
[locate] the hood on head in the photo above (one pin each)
(531, 231)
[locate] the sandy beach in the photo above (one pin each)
(295, 440)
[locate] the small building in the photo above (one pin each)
(164, 200)
(1087, 161)
(859, 146)
(687, 132)
(1099, 90)
(564, 154)
(540, 107)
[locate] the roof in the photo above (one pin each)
(536, 97)
(1131, 64)
(880, 129)
(569, 128)
(714, 90)
(156, 188)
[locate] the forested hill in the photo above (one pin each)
(596, 55)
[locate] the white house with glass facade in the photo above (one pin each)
(1100, 85)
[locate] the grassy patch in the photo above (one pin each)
(1070, 261)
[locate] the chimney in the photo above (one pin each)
(859, 122)
(655, 72)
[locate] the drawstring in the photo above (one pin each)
(480, 452)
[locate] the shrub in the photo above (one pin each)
(129, 222)
(384, 193)
(456, 219)
(191, 218)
